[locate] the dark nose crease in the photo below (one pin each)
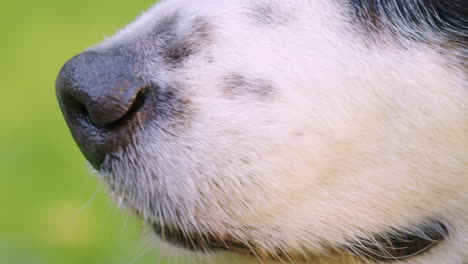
(99, 94)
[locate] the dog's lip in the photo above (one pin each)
(198, 241)
(397, 244)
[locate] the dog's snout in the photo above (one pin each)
(100, 85)
(99, 93)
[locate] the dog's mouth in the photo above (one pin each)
(201, 242)
(399, 244)
(393, 245)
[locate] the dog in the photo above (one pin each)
(270, 131)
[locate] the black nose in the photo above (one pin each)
(100, 94)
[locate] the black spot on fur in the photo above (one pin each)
(189, 44)
(176, 42)
(166, 28)
(443, 22)
(236, 84)
(172, 108)
(268, 13)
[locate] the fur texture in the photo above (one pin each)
(297, 128)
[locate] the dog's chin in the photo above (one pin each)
(393, 245)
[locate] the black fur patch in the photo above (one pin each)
(443, 22)
(268, 13)
(172, 109)
(166, 29)
(184, 46)
(176, 44)
(235, 84)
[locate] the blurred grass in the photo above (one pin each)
(53, 210)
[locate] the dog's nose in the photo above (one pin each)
(98, 94)
(100, 84)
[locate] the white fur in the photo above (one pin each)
(356, 139)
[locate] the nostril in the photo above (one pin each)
(133, 108)
(107, 115)
(112, 106)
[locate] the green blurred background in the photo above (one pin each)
(53, 210)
